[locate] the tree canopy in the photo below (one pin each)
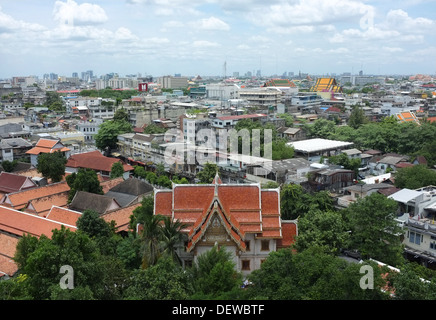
(415, 177)
(84, 180)
(108, 132)
(52, 165)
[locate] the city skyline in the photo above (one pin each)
(216, 38)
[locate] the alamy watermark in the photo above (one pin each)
(219, 147)
(367, 280)
(367, 20)
(67, 280)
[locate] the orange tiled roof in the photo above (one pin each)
(109, 184)
(20, 223)
(63, 215)
(243, 209)
(41, 206)
(18, 200)
(46, 143)
(121, 217)
(94, 160)
(46, 146)
(289, 231)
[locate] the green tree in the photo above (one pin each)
(289, 119)
(15, 289)
(311, 275)
(348, 163)
(121, 115)
(52, 165)
(150, 238)
(172, 237)
(295, 202)
(321, 128)
(410, 286)
(57, 106)
(93, 225)
(357, 117)
(154, 129)
(281, 150)
(139, 171)
(374, 230)
(117, 170)
(108, 132)
(164, 281)
(415, 177)
(324, 229)
(83, 180)
(128, 250)
(140, 213)
(208, 173)
(214, 274)
(9, 166)
(428, 151)
(65, 248)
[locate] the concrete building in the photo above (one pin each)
(170, 82)
(262, 97)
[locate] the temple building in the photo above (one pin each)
(243, 218)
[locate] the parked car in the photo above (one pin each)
(353, 253)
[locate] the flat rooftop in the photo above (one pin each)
(318, 145)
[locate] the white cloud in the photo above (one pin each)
(401, 20)
(308, 13)
(212, 23)
(392, 49)
(72, 13)
(204, 43)
(9, 24)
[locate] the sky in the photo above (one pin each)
(217, 37)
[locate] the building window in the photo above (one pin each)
(265, 245)
(246, 265)
(415, 237)
(247, 245)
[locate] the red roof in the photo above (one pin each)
(20, 223)
(19, 200)
(94, 160)
(242, 209)
(289, 231)
(47, 146)
(10, 182)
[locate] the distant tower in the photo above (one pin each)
(225, 69)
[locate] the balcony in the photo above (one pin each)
(425, 224)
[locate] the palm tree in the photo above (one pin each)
(150, 236)
(171, 236)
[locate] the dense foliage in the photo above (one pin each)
(387, 136)
(52, 165)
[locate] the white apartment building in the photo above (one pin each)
(169, 82)
(222, 91)
(419, 208)
(89, 129)
(261, 97)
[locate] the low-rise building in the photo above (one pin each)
(46, 146)
(96, 161)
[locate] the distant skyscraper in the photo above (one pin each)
(75, 75)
